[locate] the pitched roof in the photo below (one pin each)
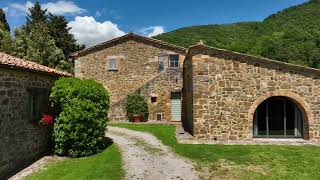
(130, 36)
(226, 54)
(14, 62)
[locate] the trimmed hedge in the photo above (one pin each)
(136, 104)
(81, 108)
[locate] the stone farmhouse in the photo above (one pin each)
(134, 63)
(24, 90)
(219, 95)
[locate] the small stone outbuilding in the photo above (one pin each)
(24, 90)
(229, 96)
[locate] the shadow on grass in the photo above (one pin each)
(106, 142)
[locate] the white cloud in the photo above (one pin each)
(90, 32)
(21, 7)
(152, 31)
(58, 8)
(63, 7)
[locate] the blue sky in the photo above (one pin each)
(95, 21)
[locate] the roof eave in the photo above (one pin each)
(129, 35)
(36, 71)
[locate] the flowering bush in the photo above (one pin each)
(81, 108)
(47, 119)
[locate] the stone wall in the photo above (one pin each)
(228, 87)
(138, 69)
(160, 87)
(22, 141)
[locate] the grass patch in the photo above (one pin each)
(147, 147)
(242, 161)
(105, 165)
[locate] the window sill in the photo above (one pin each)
(112, 69)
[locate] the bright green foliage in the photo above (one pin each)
(105, 165)
(292, 35)
(79, 129)
(6, 41)
(136, 104)
(20, 43)
(41, 48)
(81, 108)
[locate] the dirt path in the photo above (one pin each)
(146, 158)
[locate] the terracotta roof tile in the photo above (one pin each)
(11, 61)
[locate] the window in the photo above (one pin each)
(278, 116)
(174, 60)
(153, 99)
(159, 116)
(38, 103)
(113, 64)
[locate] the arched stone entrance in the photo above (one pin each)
(280, 114)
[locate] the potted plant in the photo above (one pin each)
(136, 107)
(137, 118)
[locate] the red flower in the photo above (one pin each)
(47, 119)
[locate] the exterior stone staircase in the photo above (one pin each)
(169, 79)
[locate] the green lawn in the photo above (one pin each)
(242, 161)
(105, 165)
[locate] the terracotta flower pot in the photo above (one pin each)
(137, 118)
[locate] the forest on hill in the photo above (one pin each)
(291, 35)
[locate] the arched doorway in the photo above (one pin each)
(278, 117)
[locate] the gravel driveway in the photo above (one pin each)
(146, 158)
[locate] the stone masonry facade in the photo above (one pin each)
(137, 71)
(222, 90)
(22, 140)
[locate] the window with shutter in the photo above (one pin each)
(38, 103)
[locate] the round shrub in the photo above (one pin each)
(66, 89)
(81, 116)
(136, 104)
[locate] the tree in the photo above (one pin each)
(37, 15)
(59, 30)
(41, 48)
(20, 43)
(6, 41)
(3, 21)
(35, 43)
